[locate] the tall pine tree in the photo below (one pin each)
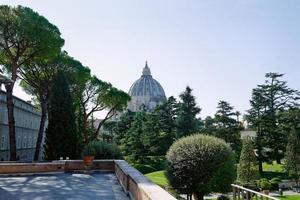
(187, 122)
(61, 134)
(267, 101)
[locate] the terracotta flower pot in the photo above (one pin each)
(88, 160)
(266, 192)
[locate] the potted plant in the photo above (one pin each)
(88, 154)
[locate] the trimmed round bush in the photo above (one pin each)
(104, 150)
(193, 161)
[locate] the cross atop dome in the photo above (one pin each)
(146, 70)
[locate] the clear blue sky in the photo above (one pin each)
(221, 49)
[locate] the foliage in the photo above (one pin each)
(88, 150)
(193, 161)
(247, 170)
(275, 183)
(165, 117)
(226, 175)
(268, 100)
(264, 184)
(271, 175)
(151, 164)
(133, 141)
(122, 127)
(227, 127)
(61, 134)
(97, 95)
(37, 80)
(292, 157)
(142, 135)
(144, 168)
(104, 150)
(25, 36)
(187, 110)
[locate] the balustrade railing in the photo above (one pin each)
(242, 193)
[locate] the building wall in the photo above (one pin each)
(27, 120)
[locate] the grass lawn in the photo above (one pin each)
(158, 178)
(291, 197)
(274, 167)
(273, 170)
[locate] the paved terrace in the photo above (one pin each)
(62, 186)
(107, 180)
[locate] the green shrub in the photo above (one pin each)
(88, 150)
(264, 184)
(103, 150)
(143, 168)
(275, 183)
(193, 161)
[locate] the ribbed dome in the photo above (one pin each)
(146, 91)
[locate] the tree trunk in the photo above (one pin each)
(11, 121)
(278, 160)
(198, 196)
(108, 116)
(84, 130)
(41, 131)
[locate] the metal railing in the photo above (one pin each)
(242, 193)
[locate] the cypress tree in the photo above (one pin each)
(61, 134)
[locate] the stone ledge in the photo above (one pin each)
(137, 185)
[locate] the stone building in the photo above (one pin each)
(146, 91)
(27, 120)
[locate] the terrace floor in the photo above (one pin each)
(62, 186)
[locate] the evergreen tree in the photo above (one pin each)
(152, 140)
(166, 119)
(61, 134)
(209, 126)
(256, 118)
(292, 156)
(186, 122)
(247, 171)
(227, 127)
(123, 126)
(267, 101)
(166, 113)
(134, 145)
